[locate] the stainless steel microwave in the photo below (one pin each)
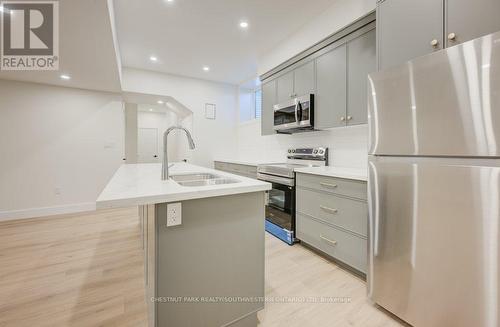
(295, 115)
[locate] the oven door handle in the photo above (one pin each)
(276, 179)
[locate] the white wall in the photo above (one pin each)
(59, 147)
(213, 138)
(348, 146)
(339, 15)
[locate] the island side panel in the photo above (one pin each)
(218, 251)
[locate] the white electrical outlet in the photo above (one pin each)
(174, 214)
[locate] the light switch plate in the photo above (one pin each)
(174, 214)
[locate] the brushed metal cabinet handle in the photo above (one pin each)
(434, 43)
(328, 185)
(330, 210)
(452, 36)
(331, 242)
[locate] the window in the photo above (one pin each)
(258, 103)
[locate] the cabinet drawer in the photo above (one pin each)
(343, 246)
(341, 186)
(348, 214)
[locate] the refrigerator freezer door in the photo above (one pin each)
(443, 104)
(434, 240)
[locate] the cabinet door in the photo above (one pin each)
(406, 28)
(467, 20)
(304, 79)
(361, 60)
(331, 91)
(284, 87)
(268, 101)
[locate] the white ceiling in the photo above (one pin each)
(186, 35)
(86, 49)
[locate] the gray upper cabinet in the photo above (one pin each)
(467, 20)
(407, 29)
(268, 101)
(361, 60)
(304, 79)
(331, 88)
(284, 85)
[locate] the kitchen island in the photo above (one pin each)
(203, 242)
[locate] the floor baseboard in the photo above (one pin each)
(46, 211)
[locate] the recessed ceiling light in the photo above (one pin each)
(244, 24)
(159, 102)
(206, 68)
(170, 0)
(153, 58)
(150, 109)
(66, 77)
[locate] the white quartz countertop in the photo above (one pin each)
(339, 172)
(140, 184)
(248, 162)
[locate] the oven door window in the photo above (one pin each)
(284, 116)
(280, 206)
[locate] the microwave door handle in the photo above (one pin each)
(300, 111)
(296, 111)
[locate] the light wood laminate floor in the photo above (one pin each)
(87, 270)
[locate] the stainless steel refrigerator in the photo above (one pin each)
(434, 187)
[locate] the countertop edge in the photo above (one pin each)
(194, 195)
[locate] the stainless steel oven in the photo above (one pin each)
(294, 115)
(280, 200)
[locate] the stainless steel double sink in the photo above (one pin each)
(202, 179)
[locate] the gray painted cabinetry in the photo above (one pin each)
(237, 169)
(304, 79)
(336, 74)
(284, 87)
(268, 101)
(407, 29)
(196, 272)
(331, 88)
(361, 60)
(467, 20)
(332, 216)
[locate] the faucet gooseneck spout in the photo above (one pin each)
(164, 169)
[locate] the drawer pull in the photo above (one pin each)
(328, 185)
(330, 210)
(332, 243)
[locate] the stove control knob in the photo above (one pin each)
(315, 151)
(321, 151)
(293, 151)
(289, 150)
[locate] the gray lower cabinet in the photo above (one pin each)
(332, 216)
(218, 251)
(249, 171)
(361, 60)
(331, 89)
(407, 29)
(268, 101)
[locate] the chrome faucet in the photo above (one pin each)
(164, 169)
